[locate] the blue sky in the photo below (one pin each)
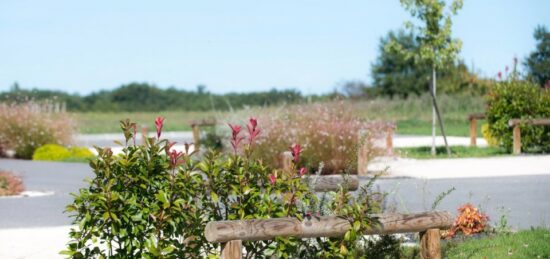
(85, 46)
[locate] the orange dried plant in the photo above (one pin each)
(469, 221)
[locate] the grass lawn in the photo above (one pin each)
(94, 122)
(533, 243)
(413, 115)
(457, 152)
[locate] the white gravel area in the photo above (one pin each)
(42, 242)
(463, 167)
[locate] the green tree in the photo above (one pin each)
(395, 71)
(437, 47)
(538, 62)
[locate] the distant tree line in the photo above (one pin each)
(394, 74)
(149, 97)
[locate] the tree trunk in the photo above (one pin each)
(438, 114)
(433, 93)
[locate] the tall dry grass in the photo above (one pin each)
(330, 133)
(26, 126)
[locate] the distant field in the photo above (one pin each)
(413, 116)
(93, 122)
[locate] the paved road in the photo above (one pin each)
(524, 198)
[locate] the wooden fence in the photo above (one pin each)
(516, 123)
(473, 118)
(195, 127)
(233, 232)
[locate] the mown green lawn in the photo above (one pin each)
(456, 152)
(95, 122)
(533, 243)
(412, 116)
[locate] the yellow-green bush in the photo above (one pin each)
(491, 140)
(51, 152)
(54, 152)
(80, 153)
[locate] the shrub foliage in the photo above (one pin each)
(153, 201)
(329, 133)
(514, 99)
(25, 127)
(54, 152)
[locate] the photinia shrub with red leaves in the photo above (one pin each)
(469, 221)
(154, 200)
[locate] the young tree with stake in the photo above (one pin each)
(437, 47)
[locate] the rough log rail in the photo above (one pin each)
(473, 118)
(516, 123)
(327, 183)
(236, 231)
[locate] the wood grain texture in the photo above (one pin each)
(232, 250)
(476, 116)
(536, 122)
(327, 226)
(327, 183)
(516, 140)
(430, 246)
(473, 132)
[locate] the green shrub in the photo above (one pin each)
(153, 201)
(26, 126)
(211, 140)
(80, 153)
(486, 133)
(54, 152)
(51, 152)
(514, 99)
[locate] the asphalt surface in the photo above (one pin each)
(523, 199)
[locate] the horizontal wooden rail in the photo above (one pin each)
(476, 116)
(536, 122)
(326, 226)
(515, 123)
(327, 183)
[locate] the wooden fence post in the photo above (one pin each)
(232, 250)
(430, 247)
(517, 139)
(473, 132)
(389, 139)
(196, 136)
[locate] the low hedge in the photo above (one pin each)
(54, 152)
(524, 100)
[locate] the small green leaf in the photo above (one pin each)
(214, 196)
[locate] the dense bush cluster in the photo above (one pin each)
(10, 184)
(54, 152)
(515, 99)
(153, 201)
(25, 127)
(329, 133)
